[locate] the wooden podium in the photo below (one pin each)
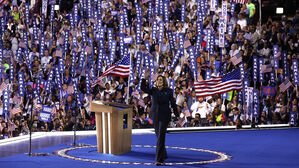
(114, 127)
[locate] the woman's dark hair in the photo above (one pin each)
(165, 83)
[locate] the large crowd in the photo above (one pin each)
(58, 58)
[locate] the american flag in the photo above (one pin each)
(285, 85)
(3, 86)
(236, 59)
(11, 126)
(266, 68)
(240, 1)
(181, 122)
(2, 1)
(58, 53)
(99, 81)
(187, 44)
(16, 110)
(219, 85)
(120, 68)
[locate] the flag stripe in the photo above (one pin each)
(220, 86)
(229, 82)
(217, 92)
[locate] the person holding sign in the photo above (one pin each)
(160, 112)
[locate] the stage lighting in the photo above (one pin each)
(279, 10)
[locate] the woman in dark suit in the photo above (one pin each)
(160, 112)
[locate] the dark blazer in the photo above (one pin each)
(160, 110)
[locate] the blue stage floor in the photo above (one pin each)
(248, 149)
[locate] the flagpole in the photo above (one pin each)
(128, 90)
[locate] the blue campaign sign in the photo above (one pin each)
(295, 71)
(128, 40)
(268, 90)
(45, 114)
(161, 32)
(155, 27)
(21, 83)
(256, 105)
(193, 62)
(293, 117)
(261, 62)
(138, 33)
(255, 68)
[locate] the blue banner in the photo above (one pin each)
(122, 44)
(150, 10)
(121, 23)
(245, 88)
(183, 12)
(100, 59)
(61, 65)
(276, 59)
(209, 38)
(76, 14)
(193, 62)
(89, 10)
(27, 17)
(221, 30)
(255, 68)
(272, 77)
(21, 83)
(81, 59)
(171, 40)
(154, 31)
(199, 37)
(256, 105)
(35, 30)
(138, 33)
(113, 51)
(285, 65)
(293, 118)
(138, 13)
(261, 75)
(66, 41)
(161, 32)
(5, 113)
(73, 67)
(110, 37)
(138, 62)
(175, 59)
(166, 13)
(269, 90)
(181, 40)
(156, 12)
(45, 114)
(295, 72)
(242, 72)
(52, 13)
(160, 7)
(126, 17)
(88, 83)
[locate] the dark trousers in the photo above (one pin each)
(160, 130)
